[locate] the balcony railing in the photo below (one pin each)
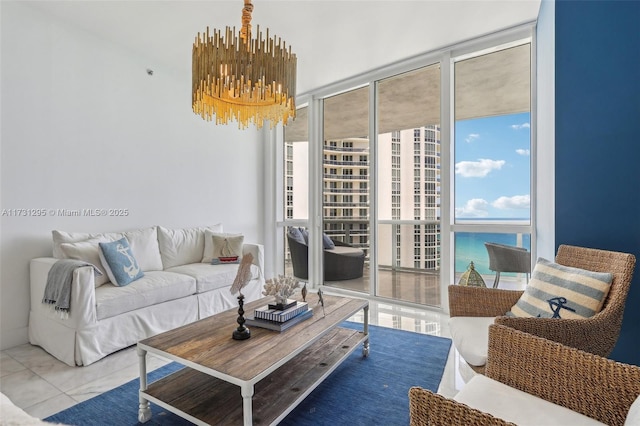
(346, 163)
(346, 204)
(347, 177)
(344, 149)
(351, 229)
(347, 190)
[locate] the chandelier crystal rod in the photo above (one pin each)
(239, 78)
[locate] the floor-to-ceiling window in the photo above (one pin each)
(295, 182)
(492, 157)
(345, 176)
(408, 186)
(447, 168)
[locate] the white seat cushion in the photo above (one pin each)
(513, 405)
(153, 288)
(211, 277)
(470, 336)
(633, 416)
(347, 251)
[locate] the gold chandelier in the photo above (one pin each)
(239, 78)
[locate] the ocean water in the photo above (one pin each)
(469, 247)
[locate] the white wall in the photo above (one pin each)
(546, 130)
(84, 127)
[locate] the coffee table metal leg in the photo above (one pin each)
(144, 408)
(365, 344)
(247, 410)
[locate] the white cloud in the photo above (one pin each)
(476, 207)
(515, 202)
(472, 137)
(480, 168)
(520, 126)
(523, 151)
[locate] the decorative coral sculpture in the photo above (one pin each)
(243, 276)
(281, 288)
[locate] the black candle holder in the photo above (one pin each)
(242, 332)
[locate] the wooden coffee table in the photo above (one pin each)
(274, 371)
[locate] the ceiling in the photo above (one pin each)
(333, 40)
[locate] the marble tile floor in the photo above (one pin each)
(41, 385)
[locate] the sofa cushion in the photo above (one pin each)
(145, 248)
(119, 262)
(347, 251)
(211, 277)
(327, 242)
(558, 291)
(87, 251)
(60, 237)
(222, 245)
(513, 405)
(155, 287)
(470, 336)
(182, 246)
(305, 235)
(296, 235)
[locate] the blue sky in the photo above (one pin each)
(492, 167)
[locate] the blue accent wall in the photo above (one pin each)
(597, 59)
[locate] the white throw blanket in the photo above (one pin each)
(57, 293)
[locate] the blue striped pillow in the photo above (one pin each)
(557, 291)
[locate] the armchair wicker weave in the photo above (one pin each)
(503, 258)
(342, 263)
(478, 307)
(520, 367)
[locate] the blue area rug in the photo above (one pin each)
(361, 391)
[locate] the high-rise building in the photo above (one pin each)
(346, 190)
(408, 190)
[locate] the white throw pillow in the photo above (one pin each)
(182, 246)
(220, 244)
(144, 245)
(60, 237)
(87, 251)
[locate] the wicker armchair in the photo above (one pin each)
(503, 258)
(339, 265)
(597, 334)
(582, 382)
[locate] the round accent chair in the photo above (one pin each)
(343, 262)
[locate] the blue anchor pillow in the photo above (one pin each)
(557, 291)
(119, 263)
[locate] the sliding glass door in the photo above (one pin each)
(492, 155)
(408, 186)
(345, 184)
(296, 192)
(446, 170)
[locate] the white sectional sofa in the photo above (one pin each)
(177, 288)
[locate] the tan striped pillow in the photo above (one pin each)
(557, 291)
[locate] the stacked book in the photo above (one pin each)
(273, 318)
